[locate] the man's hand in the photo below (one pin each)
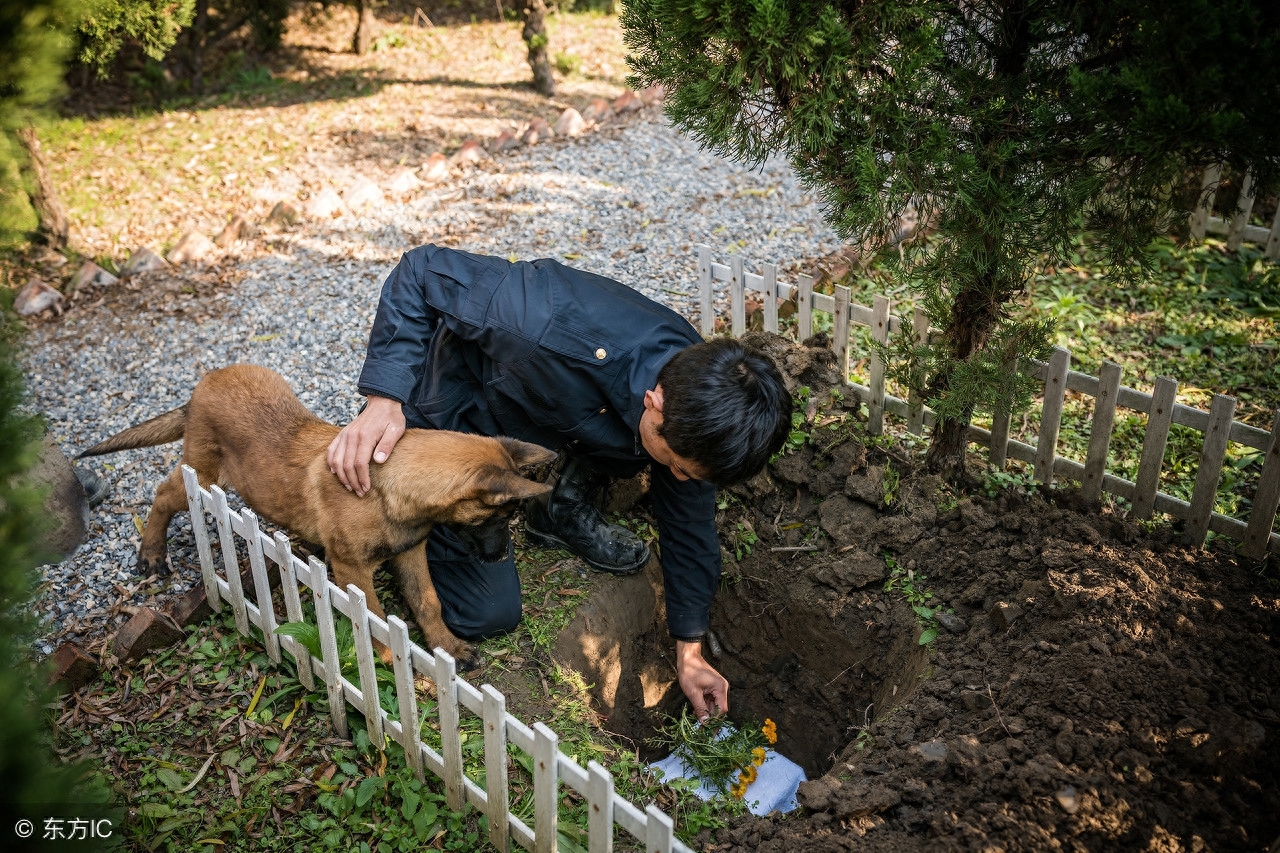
(372, 434)
(707, 689)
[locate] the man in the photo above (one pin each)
(582, 364)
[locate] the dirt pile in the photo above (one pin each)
(1091, 686)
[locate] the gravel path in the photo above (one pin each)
(629, 201)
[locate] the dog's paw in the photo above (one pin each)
(467, 656)
(153, 564)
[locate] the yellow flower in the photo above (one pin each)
(739, 789)
(749, 774)
(757, 756)
(770, 730)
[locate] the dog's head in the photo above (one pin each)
(493, 492)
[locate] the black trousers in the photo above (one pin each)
(477, 600)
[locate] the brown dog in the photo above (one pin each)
(244, 428)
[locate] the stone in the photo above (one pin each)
(72, 668)
(627, 102)
(284, 214)
(934, 750)
(537, 131)
(66, 507)
(404, 181)
(148, 629)
(143, 260)
(193, 246)
(471, 152)
(655, 94)
(436, 169)
(362, 193)
(506, 141)
(90, 275)
(1004, 615)
(36, 297)
(570, 123)
(597, 111)
(325, 204)
(1066, 798)
(237, 228)
(950, 621)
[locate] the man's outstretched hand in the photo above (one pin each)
(707, 689)
(372, 435)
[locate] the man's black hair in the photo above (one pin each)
(725, 407)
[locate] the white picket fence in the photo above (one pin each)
(1236, 227)
(650, 826)
(1160, 406)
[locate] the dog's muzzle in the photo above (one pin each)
(490, 542)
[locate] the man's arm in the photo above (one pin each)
(372, 434)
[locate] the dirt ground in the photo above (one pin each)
(1094, 686)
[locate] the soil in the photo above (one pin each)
(1093, 685)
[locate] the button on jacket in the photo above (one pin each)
(555, 356)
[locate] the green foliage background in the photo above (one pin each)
(1011, 128)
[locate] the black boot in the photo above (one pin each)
(568, 517)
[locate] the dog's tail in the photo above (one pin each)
(161, 429)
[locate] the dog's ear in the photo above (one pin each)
(524, 454)
(500, 487)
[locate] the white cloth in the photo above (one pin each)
(774, 788)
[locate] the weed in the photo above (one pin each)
(567, 63)
(744, 539)
(911, 585)
(995, 482)
(890, 485)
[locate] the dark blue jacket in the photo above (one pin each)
(551, 355)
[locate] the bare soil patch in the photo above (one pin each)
(1100, 688)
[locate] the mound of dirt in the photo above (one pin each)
(1091, 686)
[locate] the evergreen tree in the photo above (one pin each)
(1011, 125)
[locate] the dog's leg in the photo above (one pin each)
(415, 583)
(347, 573)
(171, 498)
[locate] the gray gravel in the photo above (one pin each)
(628, 201)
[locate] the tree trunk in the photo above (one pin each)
(364, 28)
(196, 40)
(54, 229)
(974, 317)
(535, 36)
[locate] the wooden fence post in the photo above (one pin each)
(705, 291)
(737, 296)
(1104, 417)
(406, 693)
(1273, 237)
(915, 397)
(200, 530)
(1262, 517)
(879, 331)
(293, 608)
(1205, 492)
(1204, 203)
(446, 679)
(495, 766)
(546, 789)
(371, 707)
(804, 307)
(840, 332)
(329, 647)
(261, 586)
(1000, 428)
(770, 273)
(1235, 236)
(1055, 389)
(1163, 397)
(599, 808)
(230, 560)
(659, 830)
